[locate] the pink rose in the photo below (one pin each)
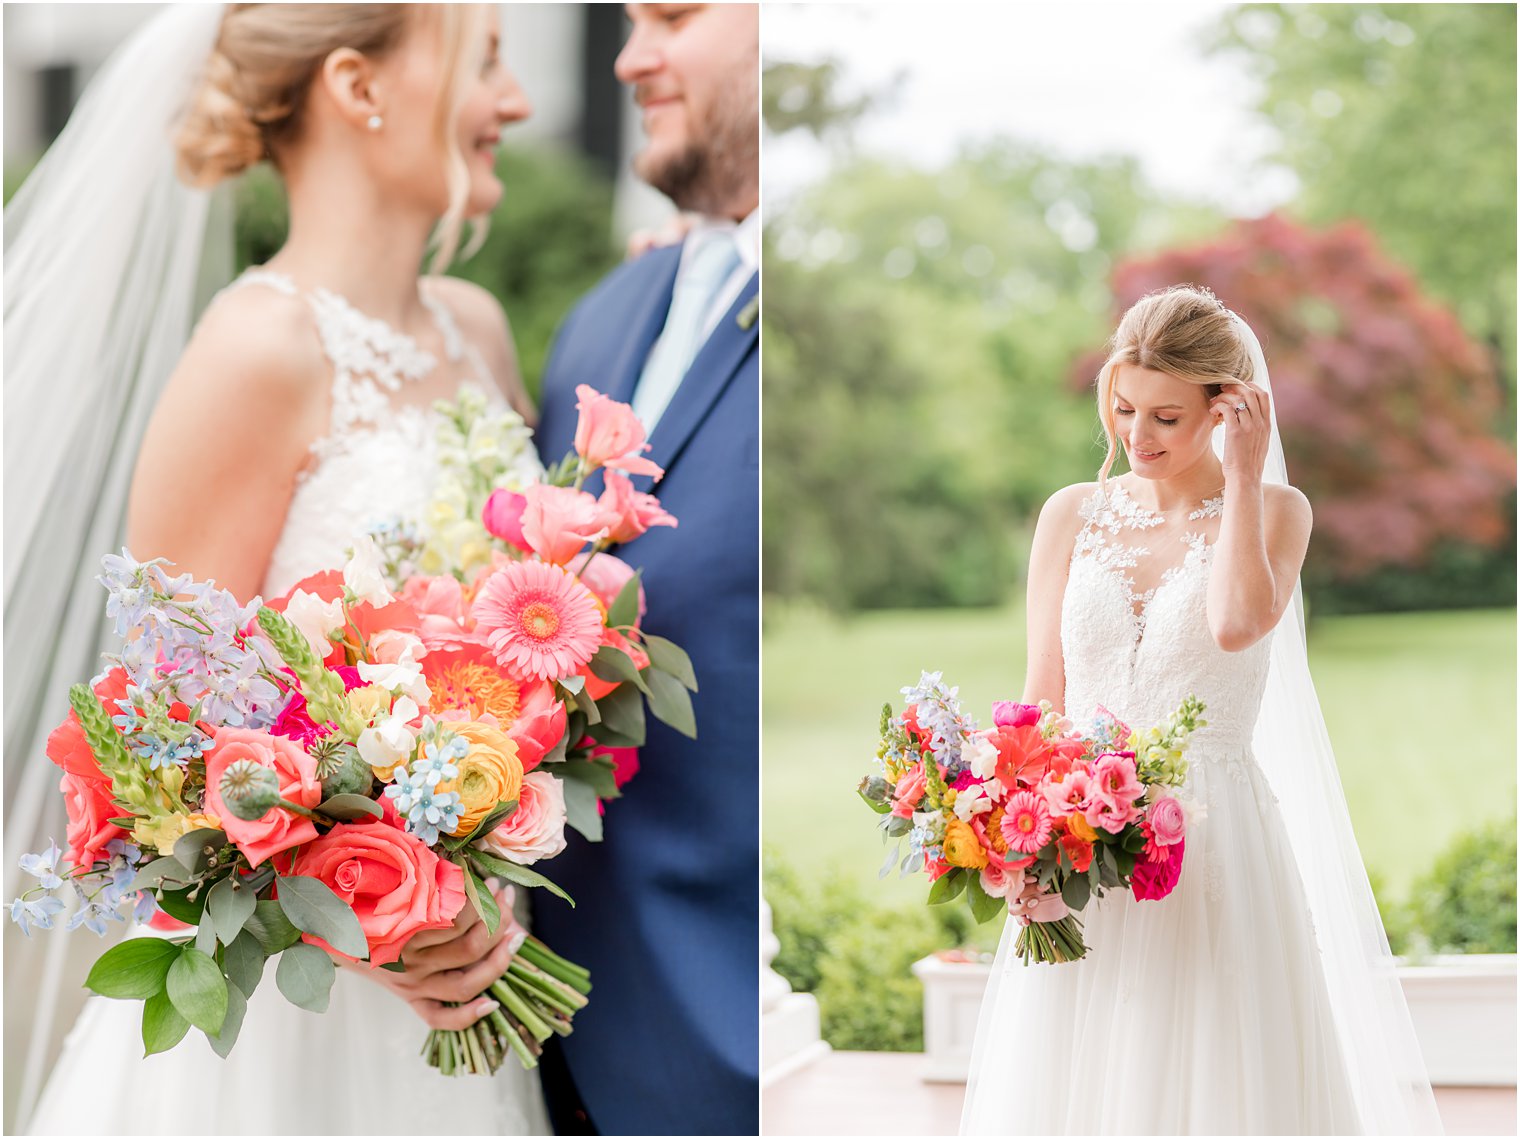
(910, 789)
(559, 520)
(90, 808)
(1010, 714)
(539, 724)
(605, 576)
(279, 829)
(1114, 780)
(396, 885)
(997, 881)
(1168, 820)
(628, 512)
(608, 434)
(537, 828)
(1153, 881)
(503, 518)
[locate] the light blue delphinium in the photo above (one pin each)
(39, 913)
(44, 866)
(940, 713)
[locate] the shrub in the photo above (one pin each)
(1465, 903)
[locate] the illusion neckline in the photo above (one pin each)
(1205, 508)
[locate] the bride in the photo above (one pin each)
(297, 414)
(1259, 997)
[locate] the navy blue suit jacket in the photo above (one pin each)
(667, 906)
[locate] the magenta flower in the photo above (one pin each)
(1011, 714)
(1153, 881)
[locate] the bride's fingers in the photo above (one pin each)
(436, 1014)
(465, 984)
(463, 950)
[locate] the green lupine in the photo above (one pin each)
(325, 697)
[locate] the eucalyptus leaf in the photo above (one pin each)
(615, 666)
(150, 874)
(891, 861)
(177, 904)
(670, 702)
(237, 1007)
(622, 712)
(305, 975)
(669, 657)
(134, 970)
(230, 904)
(347, 808)
(199, 991)
(573, 684)
(1076, 891)
(624, 609)
(195, 850)
(162, 1025)
(271, 927)
(581, 810)
(313, 908)
(897, 826)
(205, 934)
(501, 868)
(243, 962)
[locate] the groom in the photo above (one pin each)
(667, 917)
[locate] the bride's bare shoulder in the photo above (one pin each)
(258, 342)
(1063, 509)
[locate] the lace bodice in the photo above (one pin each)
(1135, 633)
(378, 459)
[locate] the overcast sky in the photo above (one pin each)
(1084, 78)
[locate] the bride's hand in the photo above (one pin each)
(672, 231)
(1246, 411)
(455, 965)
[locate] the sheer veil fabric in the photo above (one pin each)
(108, 257)
(1389, 1086)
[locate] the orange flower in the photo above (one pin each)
(1078, 850)
(470, 681)
(1023, 755)
(992, 827)
(962, 847)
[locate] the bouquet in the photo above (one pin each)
(338, 770)
(1033, 814)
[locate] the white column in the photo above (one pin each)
(789, 1035)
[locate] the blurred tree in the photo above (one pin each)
(1403, 116)
(1384, 401)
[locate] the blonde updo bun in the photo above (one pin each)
(1183, 331)
(257, 77)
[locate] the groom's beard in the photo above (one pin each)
(720, 166)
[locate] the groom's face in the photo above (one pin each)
(694, 69)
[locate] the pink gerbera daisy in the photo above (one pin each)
(539, 620)
(1026, 822)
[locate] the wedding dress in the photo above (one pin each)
(1207, 1011)
(355, 1069)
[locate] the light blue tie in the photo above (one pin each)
(673, 353)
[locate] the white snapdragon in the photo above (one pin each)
(981, 755)
(972, 800)
(391, 740)
(402, 676)
(364, 575)
(314, 619)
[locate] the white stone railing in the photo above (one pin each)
(789, 1036)
(1463, 1007)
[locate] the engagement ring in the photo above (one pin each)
(1240, 407)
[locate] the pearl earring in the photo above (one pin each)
(375, 122)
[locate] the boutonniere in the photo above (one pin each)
(749, 313)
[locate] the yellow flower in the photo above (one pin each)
(369, 701)
(163, 833)
(962, 847)
(490, 773)
(1076, 823)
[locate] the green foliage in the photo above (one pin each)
(855, 957)
(1465, 903)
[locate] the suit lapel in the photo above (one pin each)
(646, 320)
(716, 363)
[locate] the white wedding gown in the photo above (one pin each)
(1206, 1012)
(355, 1069)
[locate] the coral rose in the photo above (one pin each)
(963, 847)
(90, 808)
(490, 773)
(279, 829)
(910, 789)
(396, 885)
(537, 828)
(1153, 881)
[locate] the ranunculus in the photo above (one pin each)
(1079, 850)
(67, 746)
(629, 512)
(910, 789)
(395, 884)
(559, 520)
(1026, 824)
(279, 829)
(1167, 819)
(537, 828)
(1153, 881)
(1114, 781)
(90, 808)
(1011, 714)
(503, 518)
(609, 434)
(962, 847)
(605, 576)
(490, 773)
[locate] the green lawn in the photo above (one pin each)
(1407, 697)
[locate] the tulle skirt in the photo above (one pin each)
(1203, 1013)
(355, 1069)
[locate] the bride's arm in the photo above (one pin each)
(229, 433)
(1263, 533)
(1049, 565)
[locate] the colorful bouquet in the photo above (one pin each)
(345, 767)
(1032, 814)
